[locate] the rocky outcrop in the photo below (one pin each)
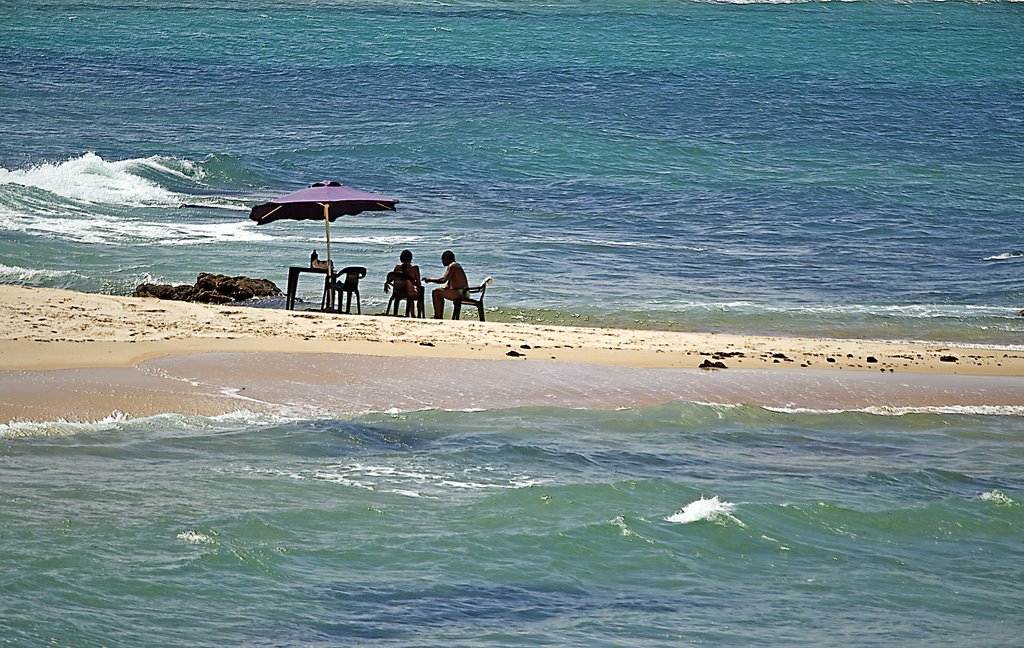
(212, 289)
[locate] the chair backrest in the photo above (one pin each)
(473, 297)
(352, 275)
(477, 294)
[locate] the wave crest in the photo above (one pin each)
(998, 497)
(92, 180)
(1005, 256)
(710, 510)
(20, 275)
(162, 422)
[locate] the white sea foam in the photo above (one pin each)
(99, 228)
(247, 418)
(373, 240)
(917, 311)
(891, 410)
(1005, 256)
(406, 480)
(17, 274)
(998, 497)
(120, 421)
(196, 538)
(90, 186)
(91, 179)
(983, 410)
(709, 510)
(16, 429)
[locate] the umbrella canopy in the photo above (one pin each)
(322, 200)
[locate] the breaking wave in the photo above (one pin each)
(707, 510)
(1005, 256)
(154, 181)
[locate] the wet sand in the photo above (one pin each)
(332, 385)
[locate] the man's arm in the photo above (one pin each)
(443, 278)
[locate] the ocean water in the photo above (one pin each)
(673, 525)
(823, 168)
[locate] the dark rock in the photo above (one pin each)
(949, 358)
(213, 297)
(212, 289)
(237, 288)
(720, 355)
(515, 354)
(707, 364)
(165, 291)
(872, 359)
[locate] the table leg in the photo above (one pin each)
(293, 280)
(328, 298)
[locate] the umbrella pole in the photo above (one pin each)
(327, 226)
(328, 299)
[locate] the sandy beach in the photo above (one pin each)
(76, 356)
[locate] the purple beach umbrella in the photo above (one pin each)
(323, 200)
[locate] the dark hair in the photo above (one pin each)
(447, 257)
(405, 256)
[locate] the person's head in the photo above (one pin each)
(447, 257)
(405, 256)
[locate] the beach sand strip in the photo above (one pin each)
(77, 356)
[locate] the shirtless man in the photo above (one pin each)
(455, 282)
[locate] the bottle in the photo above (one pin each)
(313, 259)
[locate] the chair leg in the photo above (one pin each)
(480, 307)
(359, 307)
(456, 309)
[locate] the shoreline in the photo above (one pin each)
(81, 356)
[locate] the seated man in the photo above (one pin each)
(455, 282)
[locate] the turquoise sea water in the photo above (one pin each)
(674, 525)
(826, 168)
